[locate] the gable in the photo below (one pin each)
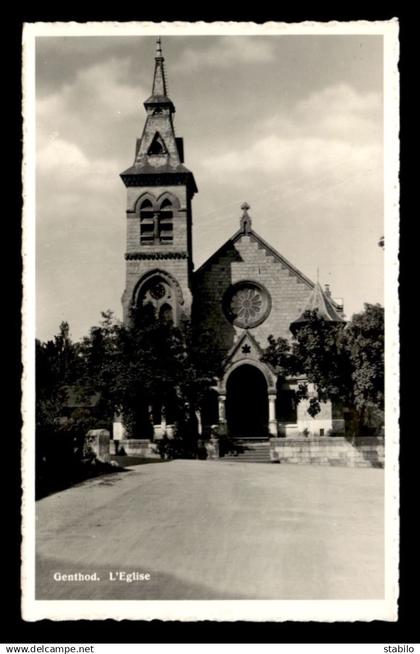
(247, 258)
(245, 348)
(267, 249)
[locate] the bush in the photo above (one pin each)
(175, 448)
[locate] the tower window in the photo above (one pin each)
(147, 223)
(158, 295)
(166, 222)
(165, 313)
(157, 146)
(156, 225)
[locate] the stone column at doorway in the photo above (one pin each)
(163, 419)
(222, 412)
(272, 420)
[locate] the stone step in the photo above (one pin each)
(238, 459)
(257, 453)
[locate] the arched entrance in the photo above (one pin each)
(247, 403)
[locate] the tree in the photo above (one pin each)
(103, 366)
(57, 365)
(148, 365)
(365, 340)
(345, 363)
(59, 437)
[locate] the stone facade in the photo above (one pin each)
(243, 293)
(362, 453)
(173, 259)
(139, 447)
(247, 257)
(98, 441)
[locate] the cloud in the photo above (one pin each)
(313, 177)
(304, 163)
(276, 156)
(78, 134)
(88, 110)
(329, 140)
(335, 112)
(226, 52)
(58, 153)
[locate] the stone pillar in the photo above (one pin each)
(272, 420)
(163, 418)
(222, 414)
(199, 422)
(222, 409)
(118, 430)
(98, 441)
(212, 449)
(150, 414)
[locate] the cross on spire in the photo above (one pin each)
(246, 221)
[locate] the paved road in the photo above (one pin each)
(216, 530)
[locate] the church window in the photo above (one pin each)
(166, 222)
(165, 313)
(158, 295)
(158, 291)
(157, 146)
(247, 304)
(147, 222)
(156, 224)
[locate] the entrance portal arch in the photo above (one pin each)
(247, 402)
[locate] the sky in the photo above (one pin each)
(291, 124)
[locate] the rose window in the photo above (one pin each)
(247, 304)
(157, 291)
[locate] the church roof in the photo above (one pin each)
(159, 153)
(246, 230)
(249, 341)
(160, 87)
(319, 302)
(145, 168)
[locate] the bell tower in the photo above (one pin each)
(159, 219)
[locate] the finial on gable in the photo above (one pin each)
(246, 222)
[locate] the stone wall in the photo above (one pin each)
(138, 447)
(212, 448)
(245, 259)
(174, 258)
(334, 451)
(181, 219)
(98, 441)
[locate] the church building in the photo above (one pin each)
(244, 292)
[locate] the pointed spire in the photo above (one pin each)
(321, 303)
(159, 79)
(159, 153)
